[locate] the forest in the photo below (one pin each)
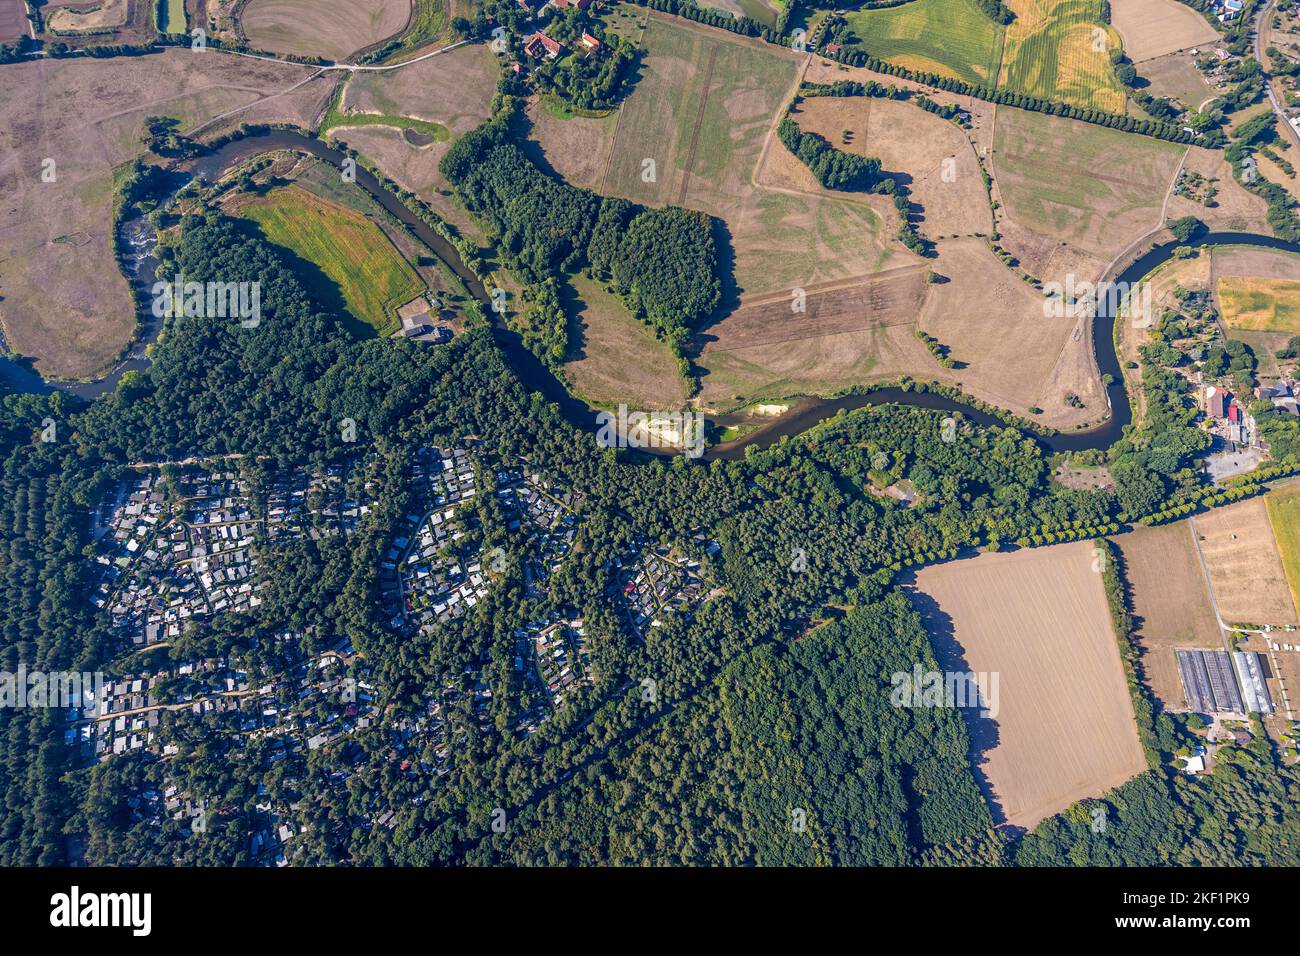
(754, 729)
(663, 262)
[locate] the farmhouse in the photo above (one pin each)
(542, 46)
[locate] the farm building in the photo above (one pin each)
(1216, 683)
(1251, 671)
(1216, 402)
(540, 45)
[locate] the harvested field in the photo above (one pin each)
(327, 28)
(1064, 728)
(577, 148)
(1087, 186)
(87, 16)
(784, 233)
(816, 366)
(1052, 51)
(985, 313)
(13, 20)
(357, 263)
(929, 154)
(1235, 208)
(1152, 28)
(65, 303)
(1245, 567)
(454, 89)
(1261, 302)
(851, 305)
(1176, 77)
(615, 357)
(949, 37)
(1171, 608)
(1260, 305)
(1256, 262)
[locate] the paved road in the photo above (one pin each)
(1268, 82)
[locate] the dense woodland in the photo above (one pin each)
(663, 263)
(771, 699)
(770, 702)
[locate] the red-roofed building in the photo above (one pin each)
(590, 42)
(562, 4)
(540, 45)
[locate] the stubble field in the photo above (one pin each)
(932, 155)
(327, 28)
(1170, 604)
(1038, 618)
(1245, 566)
(1152, 28)
(1084, 186)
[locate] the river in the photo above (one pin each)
(805, 412)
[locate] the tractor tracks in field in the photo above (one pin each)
(699, 122)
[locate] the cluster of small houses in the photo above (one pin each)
(181, 549)
(655, 582)
(547, 511)
(423, 578)
(318, 504)
(177, 553)
(558, 651)
(165, 538)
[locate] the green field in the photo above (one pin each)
(1050, 52)
(427, 25)
(336, 117)
(1260, 305)
(949, 37)
(169, 16)
(1284, 516)
(358, 264)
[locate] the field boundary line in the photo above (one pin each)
(1088, 325)
(229, 113)
(351, 67)
(816, 334)
(771, 130)
(835, 285)
(1209, 585)
(699, 121)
